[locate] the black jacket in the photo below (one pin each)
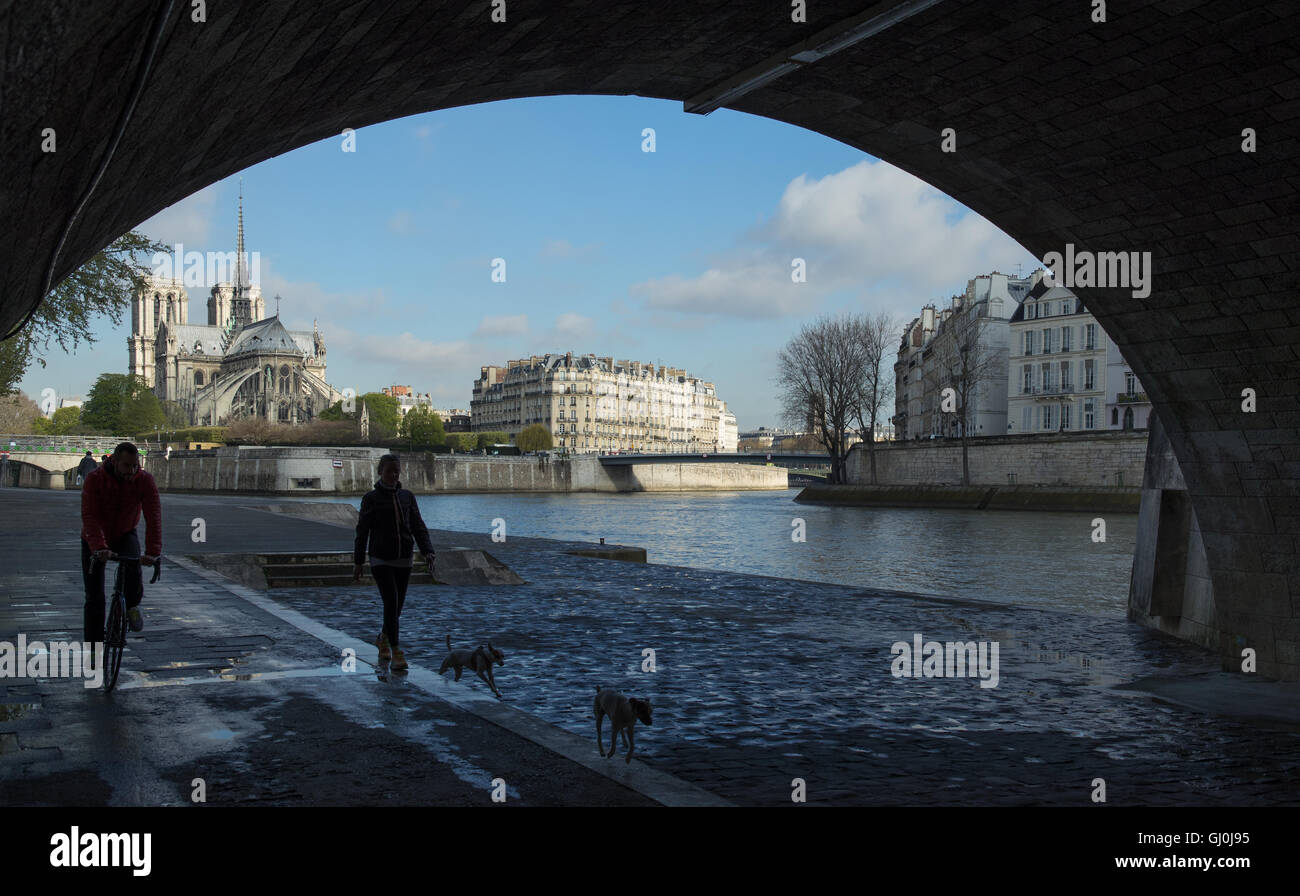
(87, 466)
(378, 524)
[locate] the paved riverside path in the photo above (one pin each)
(220, 689)
(758, 681)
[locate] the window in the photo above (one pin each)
(1046, 380)
(1027, 419)
(1089, 415)
(1114, 416)
(1090, 336)
(1047, 342)
(1089, 374)
(1130, 383)
(1027, 372)
(561, 428)
(1067, 306)
(198, 377)
(1028, 340)
(1066, 380)
(1049, 421)
(1029, 311)
(1065, 415)
(1065, 338)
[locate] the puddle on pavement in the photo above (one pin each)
(144, 680)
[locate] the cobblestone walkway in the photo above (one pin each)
(760, 680)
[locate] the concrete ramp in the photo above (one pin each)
(316, 511)
(334, 569)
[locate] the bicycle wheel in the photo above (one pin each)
(115, 635)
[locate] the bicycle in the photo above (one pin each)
(115, 626)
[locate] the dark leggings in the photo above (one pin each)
(392, 588)
(128, 546)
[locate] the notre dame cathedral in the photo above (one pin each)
(240, 364)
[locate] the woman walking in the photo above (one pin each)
(390, 524)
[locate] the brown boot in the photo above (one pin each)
(385, 654)
(399, 660)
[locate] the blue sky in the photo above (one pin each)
(680, 256)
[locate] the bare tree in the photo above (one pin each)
(819, 376)
(877, 334)
(17, 413)
(962, 365)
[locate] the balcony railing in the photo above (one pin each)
(1134, 398)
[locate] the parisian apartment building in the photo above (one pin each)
(1066, 374)
(408, 399)
(930, 350)
(592, 404)
(1055, 371)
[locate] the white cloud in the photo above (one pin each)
(861, 228)
(566, 249)
(502, 325)
(190, 220)
(575, 327)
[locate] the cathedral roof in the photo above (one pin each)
(270, 335)
(208, 338)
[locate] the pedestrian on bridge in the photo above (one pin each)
(87, 466)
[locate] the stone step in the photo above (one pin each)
(334, 569)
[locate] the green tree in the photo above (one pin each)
(461, 441)
(534, 438)
(422, 427)
(103, 286)
(383, 411)
(65, 421)
(15, 355)
(334, 412)
(108, 398)
(142, 414)
(488, 439)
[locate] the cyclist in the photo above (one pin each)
(111, 499)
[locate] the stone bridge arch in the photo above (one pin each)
(1125, 135)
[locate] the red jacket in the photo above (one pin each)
(110, 507)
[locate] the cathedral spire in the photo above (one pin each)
(239, 250)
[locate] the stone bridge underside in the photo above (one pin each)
(1124, 135)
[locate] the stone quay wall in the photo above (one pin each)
(1103, 459)
(352, 471)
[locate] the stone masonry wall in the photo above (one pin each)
(1100, 459)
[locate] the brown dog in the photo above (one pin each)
(623, 713)
(479, 659)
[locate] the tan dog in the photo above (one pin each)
(623, 713)
(479, 659)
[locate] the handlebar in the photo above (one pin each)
(156, 563)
